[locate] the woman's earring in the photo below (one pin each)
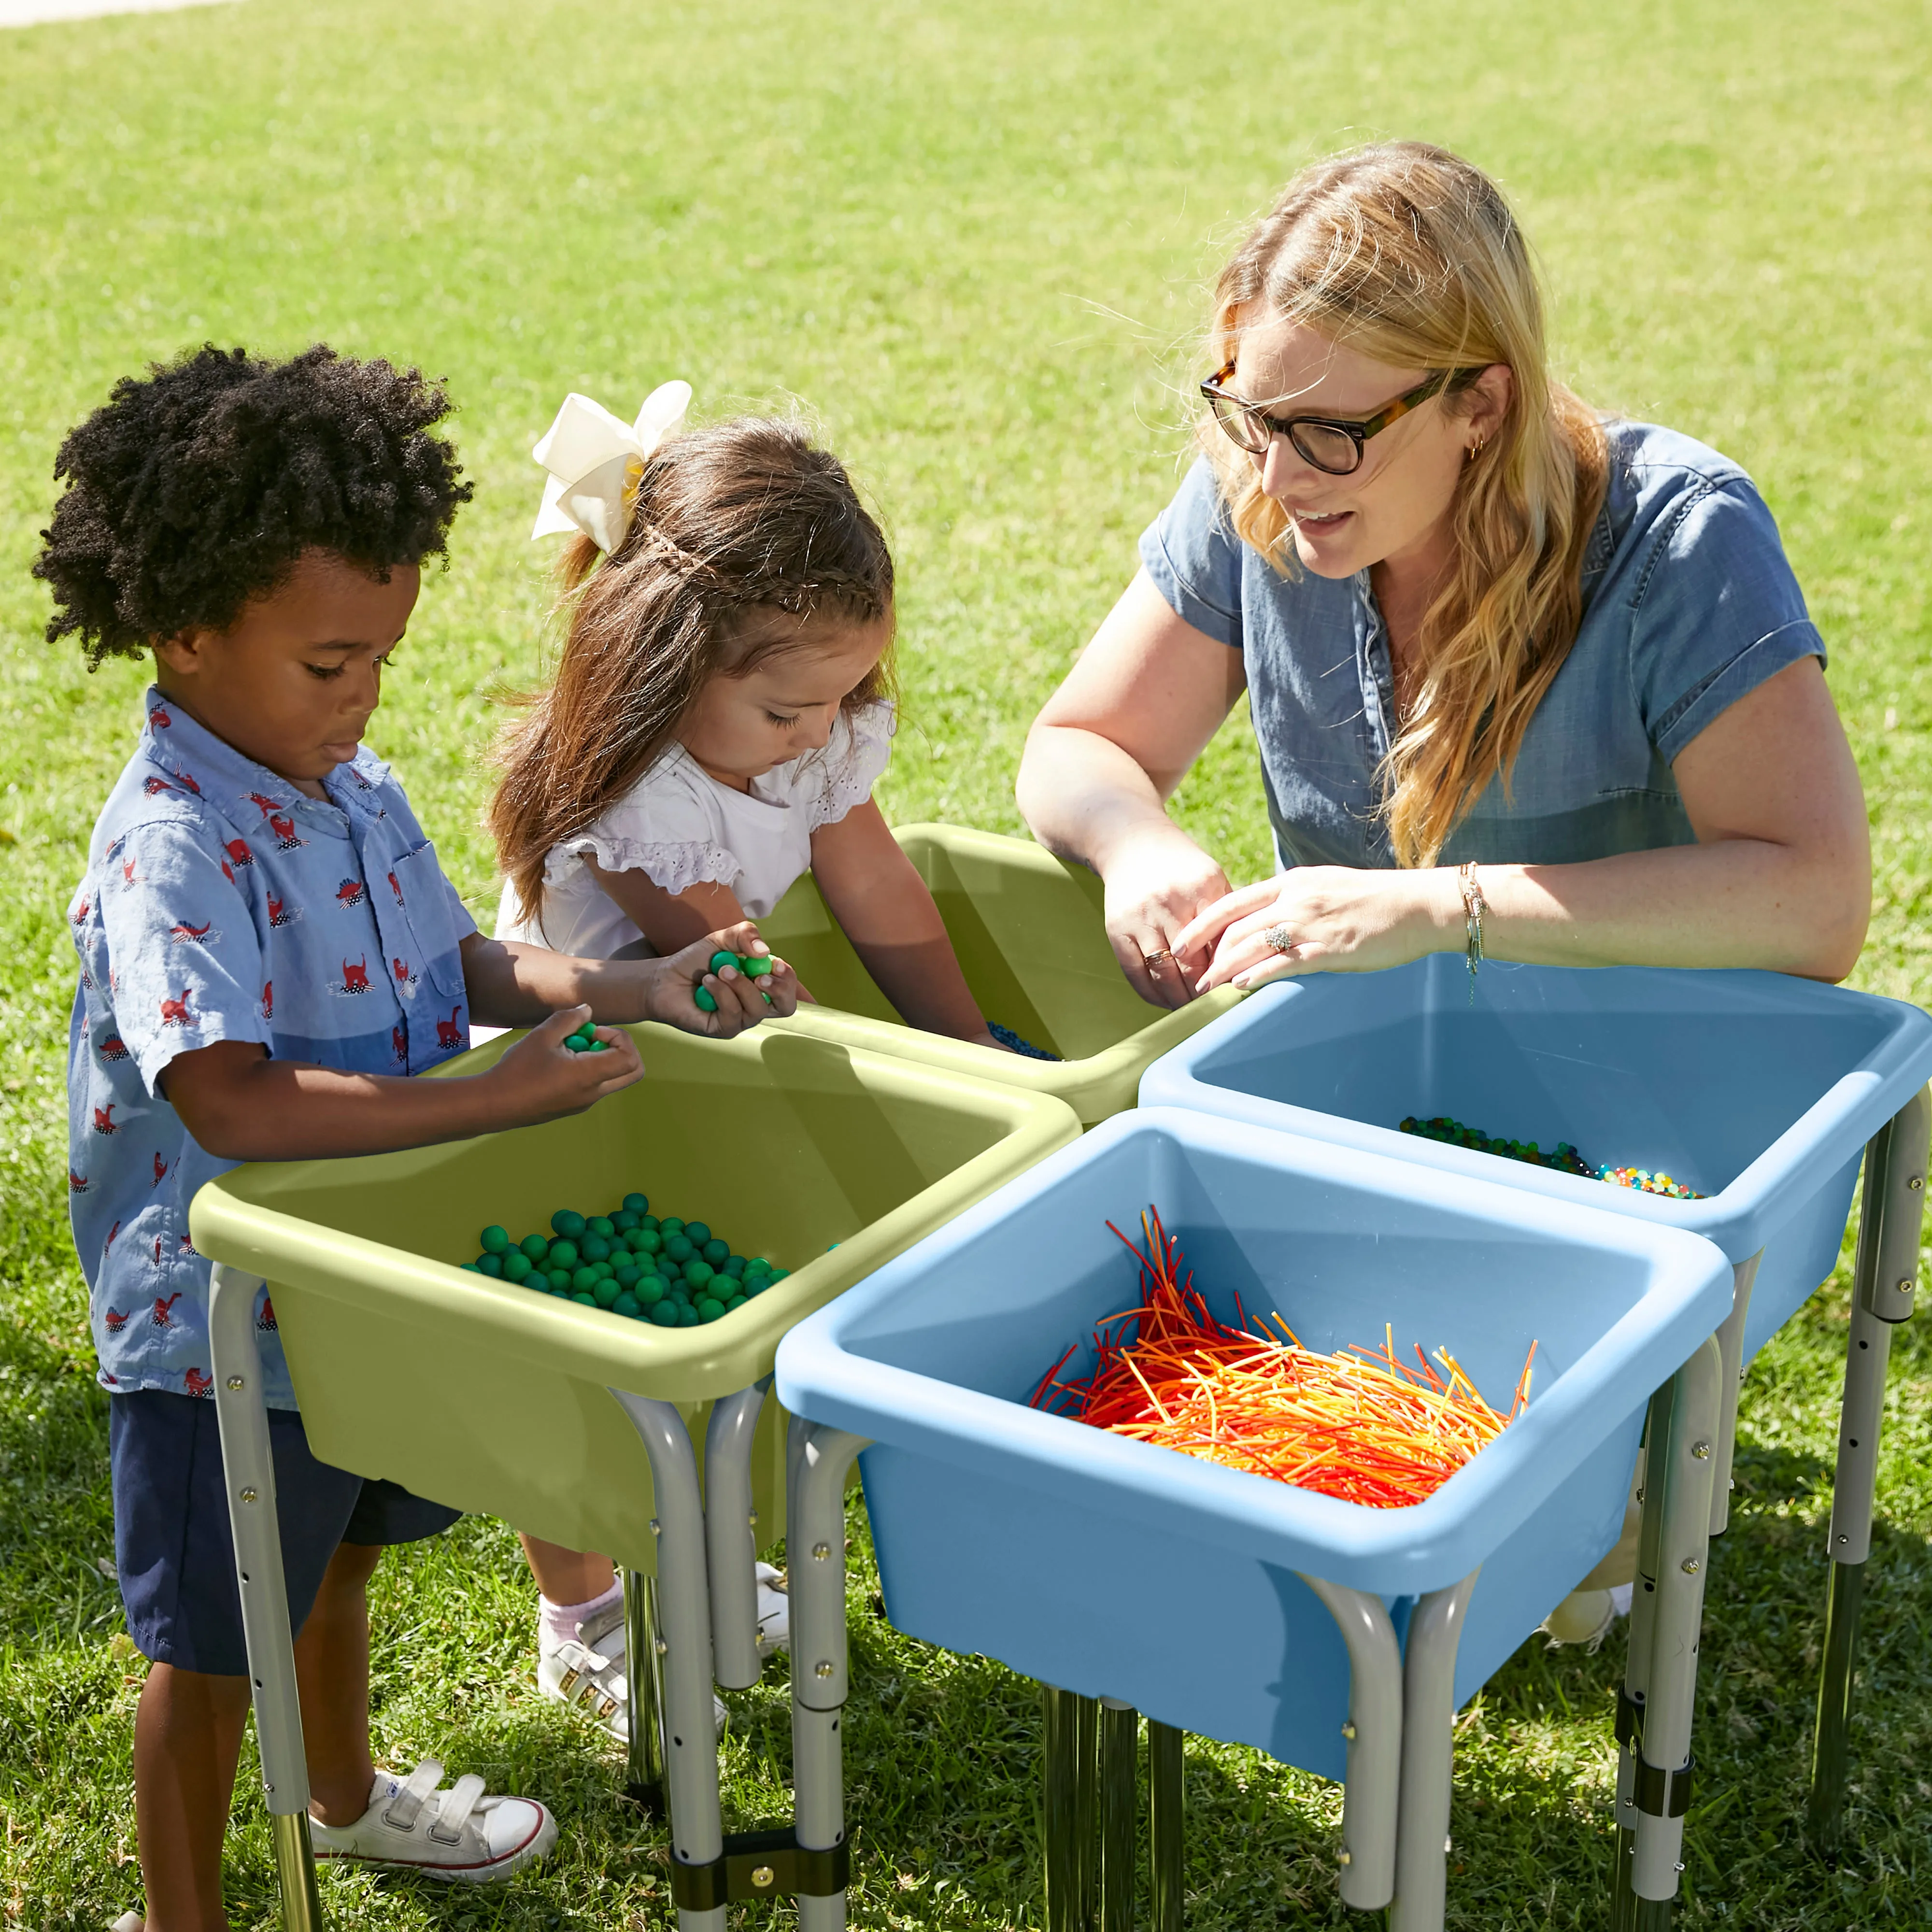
(1476, 448)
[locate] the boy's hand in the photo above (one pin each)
(539, 1078)
(671, 989)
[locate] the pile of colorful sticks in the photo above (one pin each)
(1359, 1425)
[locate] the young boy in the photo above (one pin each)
(268, 949)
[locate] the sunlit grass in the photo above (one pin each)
(971, 241)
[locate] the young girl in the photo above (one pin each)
(720, 711)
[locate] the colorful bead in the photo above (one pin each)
(1564, 1159)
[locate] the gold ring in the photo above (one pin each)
(1279, 939)
(1155, 958)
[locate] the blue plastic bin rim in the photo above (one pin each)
(1831, 1132)
(1394, 1553)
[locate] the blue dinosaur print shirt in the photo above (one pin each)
(220, 903)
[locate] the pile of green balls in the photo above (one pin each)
(675, 1274)
(753, 965)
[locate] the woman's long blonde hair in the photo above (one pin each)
(1411, 255)
(742, 534)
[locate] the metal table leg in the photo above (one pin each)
(1118, 1760)
(1636, 1668)
(1678, 1473)
(1428, 1753)
(644, 1768)
(1166, 1824)
(1372, 1786)
(1731, 1345)
(1886, 1280)
(815, 1534)
(684, 1604)
(1070, 1748)
(730, 1538)
(1059, 1779)
(248, 1472)
(1087, 1810)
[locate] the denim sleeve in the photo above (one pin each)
(1718, 612)
(1191, 552)
(184, 958)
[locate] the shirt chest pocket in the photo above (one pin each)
(420, 894)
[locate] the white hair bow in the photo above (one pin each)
(595, 462)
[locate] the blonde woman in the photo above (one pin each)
(1476, 622)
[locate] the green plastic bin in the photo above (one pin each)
(494, 1398)
(1029, 932)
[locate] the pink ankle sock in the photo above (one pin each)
(558, 1622)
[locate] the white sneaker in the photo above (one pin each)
(588, 1671)
(457, 1834)
(774, 1611)
(1585, 1616)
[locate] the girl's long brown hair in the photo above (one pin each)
(741, 534)
(1411, 255)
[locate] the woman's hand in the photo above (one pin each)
(671, 985)
(1157, 886)
(1333, 919)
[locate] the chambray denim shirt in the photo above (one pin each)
(220, 903)
(1689, 604)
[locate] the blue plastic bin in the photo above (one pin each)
(1759, 1090)
(1116, 1568)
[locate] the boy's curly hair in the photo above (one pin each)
(196, 487)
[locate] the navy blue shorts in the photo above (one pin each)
(172, 1548)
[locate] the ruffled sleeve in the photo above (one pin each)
(853, 762)
(667, 827)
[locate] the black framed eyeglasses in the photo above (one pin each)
(1331, 443)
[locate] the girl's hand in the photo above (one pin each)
(672, 984)
(1336, 919)
(1155, 889)
(540, 1079)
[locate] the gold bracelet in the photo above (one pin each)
(1473, 906)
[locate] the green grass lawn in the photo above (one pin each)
(971, 240)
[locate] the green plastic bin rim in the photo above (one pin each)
(231, 1221)
(1084, 1083)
